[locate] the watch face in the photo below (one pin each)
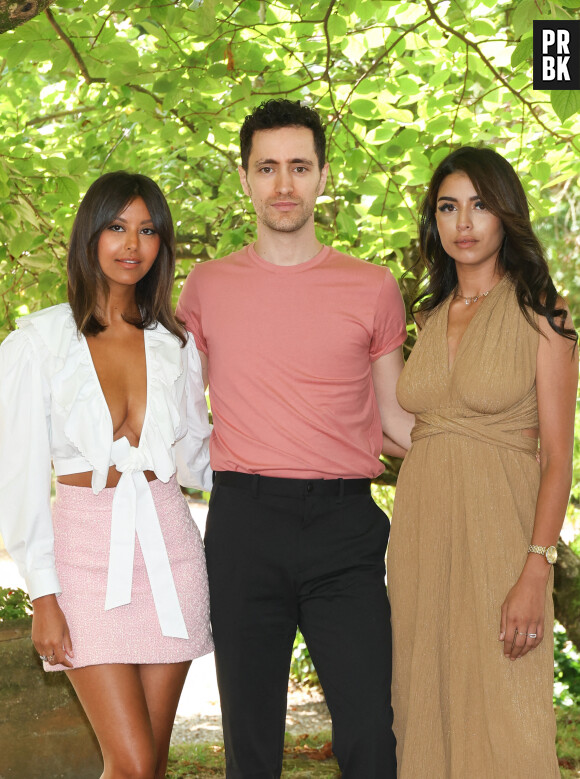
(551, 554)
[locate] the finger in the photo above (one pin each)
(530, 643)
(518, 642)
(509, 639)
(44, 650)
(535, 636)
(67, 644)
(47, 655)
(60, 657)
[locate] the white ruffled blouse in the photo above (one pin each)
(52, 408)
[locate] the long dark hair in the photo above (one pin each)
(106, 198)
(521, 254)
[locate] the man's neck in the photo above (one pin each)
(281, 248)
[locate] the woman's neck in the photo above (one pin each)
(119, 306)
(472, 282)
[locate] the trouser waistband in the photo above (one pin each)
(272, 485)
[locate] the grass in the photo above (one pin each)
(308, 757)
(305, 757)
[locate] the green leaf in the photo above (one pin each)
(525, 13)
(68, 190)
(346, 224)
(565, 103)
(19, 244)
(407, 86)
(146, 102)
(400, 239)
(363, 108)
(541, 171)
(337, 26)
(523, 51)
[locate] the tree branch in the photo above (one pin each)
(77, 57)
(39, 120)
(13, 14)
(468, 42)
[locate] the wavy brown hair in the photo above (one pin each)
(106, 199)
(521, 254)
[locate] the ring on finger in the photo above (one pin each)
(532, 635)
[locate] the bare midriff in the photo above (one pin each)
(85, 479)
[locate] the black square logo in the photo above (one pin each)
(557, 54)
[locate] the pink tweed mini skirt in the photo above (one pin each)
(130, 633)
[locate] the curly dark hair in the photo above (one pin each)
(106, 198)
(282, 113)
(521, 254)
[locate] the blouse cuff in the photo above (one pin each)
(42, 582)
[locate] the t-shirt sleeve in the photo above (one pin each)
(390, 329)
(189, 310)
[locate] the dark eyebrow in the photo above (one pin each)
(454, 199)
(296, 161)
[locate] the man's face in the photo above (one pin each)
(283, 178)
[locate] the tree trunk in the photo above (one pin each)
(567, 591)
(13, 14)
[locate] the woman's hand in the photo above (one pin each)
(522, 612)
(50, 634)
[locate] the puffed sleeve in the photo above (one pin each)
(25, 468)
(192, 451)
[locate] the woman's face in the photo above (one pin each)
(128, 247)
(469, 233)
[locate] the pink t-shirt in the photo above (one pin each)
(289, 359)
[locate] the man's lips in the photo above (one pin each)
(284, 205)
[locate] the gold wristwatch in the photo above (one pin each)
(549, 552)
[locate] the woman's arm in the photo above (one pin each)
(557, 385)
(392, 449)
(25, 516)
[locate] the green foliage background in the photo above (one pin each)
(161, 87)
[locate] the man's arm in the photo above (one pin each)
(397, 423)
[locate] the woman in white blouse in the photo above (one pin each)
(109, 388)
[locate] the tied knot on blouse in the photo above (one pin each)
(134, 514)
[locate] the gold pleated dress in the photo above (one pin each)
(462, 522)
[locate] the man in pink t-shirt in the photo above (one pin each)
(301, 348)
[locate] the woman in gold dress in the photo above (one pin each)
(477, 513)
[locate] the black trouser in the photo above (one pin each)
(288, 552)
